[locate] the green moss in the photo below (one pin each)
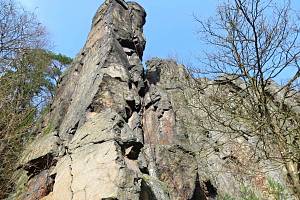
(49, 128)
(276, 190)
(246, 193)
(21, 180)
(225, 197)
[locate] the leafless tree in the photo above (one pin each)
(19, 30)
(255, 44)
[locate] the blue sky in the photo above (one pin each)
(170, 29)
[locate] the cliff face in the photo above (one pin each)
(115, 132)
(88, 144)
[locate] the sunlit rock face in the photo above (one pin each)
(117, 132)
(90, 141)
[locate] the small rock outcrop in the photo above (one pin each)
(117, 132)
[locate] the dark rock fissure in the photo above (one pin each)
(37, 165)
(51, 184)
(144, 170)
(153, 77)
(71, 173)
(73, 130)
(144, 86)
(122, 3)
(199, 193)
(127, 44)
(211, 190)
(146, 192)
(133, 149)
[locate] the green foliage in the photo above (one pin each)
(276, 190)
(48, 129)
(225, 197)
(29, 75)
(65, 60)
(26, 88)
(248, 194)
(58, 65)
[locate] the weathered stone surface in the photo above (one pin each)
(96, 115)
(104, 126)
(39, 186)
(90, 172)
(166, 103)
(41, 153)
(178, 169)
(100, 73)
(152, 188)
(223, 161)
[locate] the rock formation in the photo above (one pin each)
(89, 142)
(117, 132)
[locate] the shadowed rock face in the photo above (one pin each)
(194, 163)
(115, 132)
